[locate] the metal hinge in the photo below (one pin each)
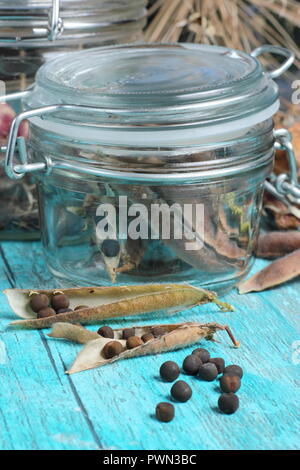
(285, 186)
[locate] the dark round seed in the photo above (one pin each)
(181, 391)
(203, 354)
(60, 301)
(110, 248)
(112, 349)
(192, 364)
(169, 371)
(106, 332)
(127, 332)
(230, 383)
(133, 342)
(228, 403)
(64, 310)
(158, 331)
(165, 412)
(39, 301)
(234, 370)
(219, 363)
(208, 372)
(147, 337)
(80, 307)
(46, 312)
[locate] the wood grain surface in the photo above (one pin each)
(113, 407)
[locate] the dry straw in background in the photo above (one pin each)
(240, 24)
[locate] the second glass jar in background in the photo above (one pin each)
(29, 38)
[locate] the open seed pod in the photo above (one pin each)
(111, 302)
(174, 337)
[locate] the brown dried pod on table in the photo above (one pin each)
(276, 244)
(175, 337)
(112, 302)
(280, 271)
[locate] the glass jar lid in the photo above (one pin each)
(150, 86)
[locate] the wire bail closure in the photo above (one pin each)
(277, 50)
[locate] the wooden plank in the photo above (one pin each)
(116, 403)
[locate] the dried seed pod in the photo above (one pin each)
(176, 337)
(59, 301)
(219, 363)
(147, 337)
(112, 349)
(75, 333)
(280, 271)
(80, 307)
(181, 391)
(192, 364)
(169, 371)
(64, 310)
(113, 302)
(106, 332)
(165, 412)
(230, 383)
(46, 312)
(228, 403)
(133, 342)
(38, 301)
(127, 332)
(276, 244)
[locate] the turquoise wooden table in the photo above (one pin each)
(112, 407)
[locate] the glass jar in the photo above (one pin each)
(157, 173)
(32, 32)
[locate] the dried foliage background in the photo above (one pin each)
(240, 24)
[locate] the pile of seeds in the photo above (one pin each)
(114, 348)
(201, 365)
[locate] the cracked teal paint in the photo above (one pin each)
(112, 407)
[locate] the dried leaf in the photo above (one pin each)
(278, 272)
(112, 302)
(176, 337)
(275, 244)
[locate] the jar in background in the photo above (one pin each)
(31, 33)
(157, 173)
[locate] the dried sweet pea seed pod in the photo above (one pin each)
(113, 302)
(176, 337)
